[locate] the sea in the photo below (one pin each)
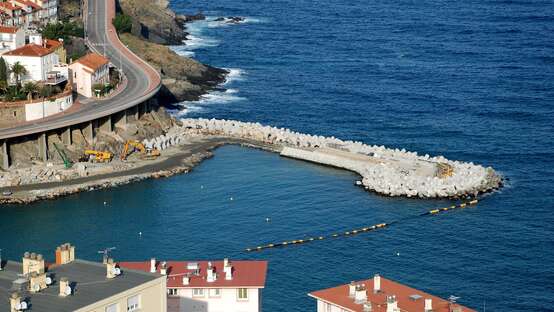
(470, 80)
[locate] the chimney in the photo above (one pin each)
(351, 289)
(153, 265)
(428, 305)
(15, 302)
(360, 294)
(32, 263)
(210, 277)
(228, 269)
(392, 304)
(376, 283)
(65, 254)
(112, 271)
(65, 289)
(37, 281)
(186, 279)
(163, 268)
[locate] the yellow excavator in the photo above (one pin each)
(146, 153)
(444, 170)
(98, 156)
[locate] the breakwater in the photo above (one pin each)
(387, 171)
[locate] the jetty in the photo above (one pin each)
(386, 171)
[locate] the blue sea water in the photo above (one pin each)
(471, 80)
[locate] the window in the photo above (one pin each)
(133, 303)
(215, 292)
(198, 292)
(242, 293)
(112, 308)
(172, 291)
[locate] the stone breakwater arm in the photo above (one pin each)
(391, 172)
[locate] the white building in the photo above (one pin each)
(204, 286)
(49, 12)
(37, 60)
(11, 38)
(379, 294)
(89, 70)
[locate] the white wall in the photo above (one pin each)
(37, 67)
(9, 41)
(325, 307)
(47, 108)
(227, 302)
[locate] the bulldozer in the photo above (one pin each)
(98, 156)
(146, 153)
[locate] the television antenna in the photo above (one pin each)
(106, 253)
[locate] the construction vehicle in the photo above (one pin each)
(444, 170)
(146, 153)
(98, 156)
(66, 161)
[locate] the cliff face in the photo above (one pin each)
(154, 21)
(183, 78)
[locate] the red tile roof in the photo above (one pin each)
(30, 3)
(93, 61)
(8, 29)
(30, 50)
(245, 273)
(52, 44)
(9, 6)
(339, 296)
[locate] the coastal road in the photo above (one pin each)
(143, 81)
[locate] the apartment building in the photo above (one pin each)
(210, 286)
(11, 38)
(77, 285)
(379, 294)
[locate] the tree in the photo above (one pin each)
(3, 70)
(122, 23)
(45, 91)
(3, 87)
(30, 88)
(18, 70)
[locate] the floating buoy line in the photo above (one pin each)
(359, 230)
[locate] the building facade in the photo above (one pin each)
(37, 60)
(206, 286)
(379, 294)
(27, 13)
(102, 287)
(11, 38)
(91, 69)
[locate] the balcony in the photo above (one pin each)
(54, 78)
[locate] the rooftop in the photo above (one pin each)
(244, 273)
(8, 30)
(408, 298)
(89, 285)
(9, 6)
(93, 61)
(30, 49)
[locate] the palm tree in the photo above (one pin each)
(30, 88)
(18, 70)
(3, 87)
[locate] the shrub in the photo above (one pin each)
(123, 23)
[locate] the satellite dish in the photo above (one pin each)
(67, 290)
(36, 287)
(48, 281)
(23, 305)
(116, 271)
